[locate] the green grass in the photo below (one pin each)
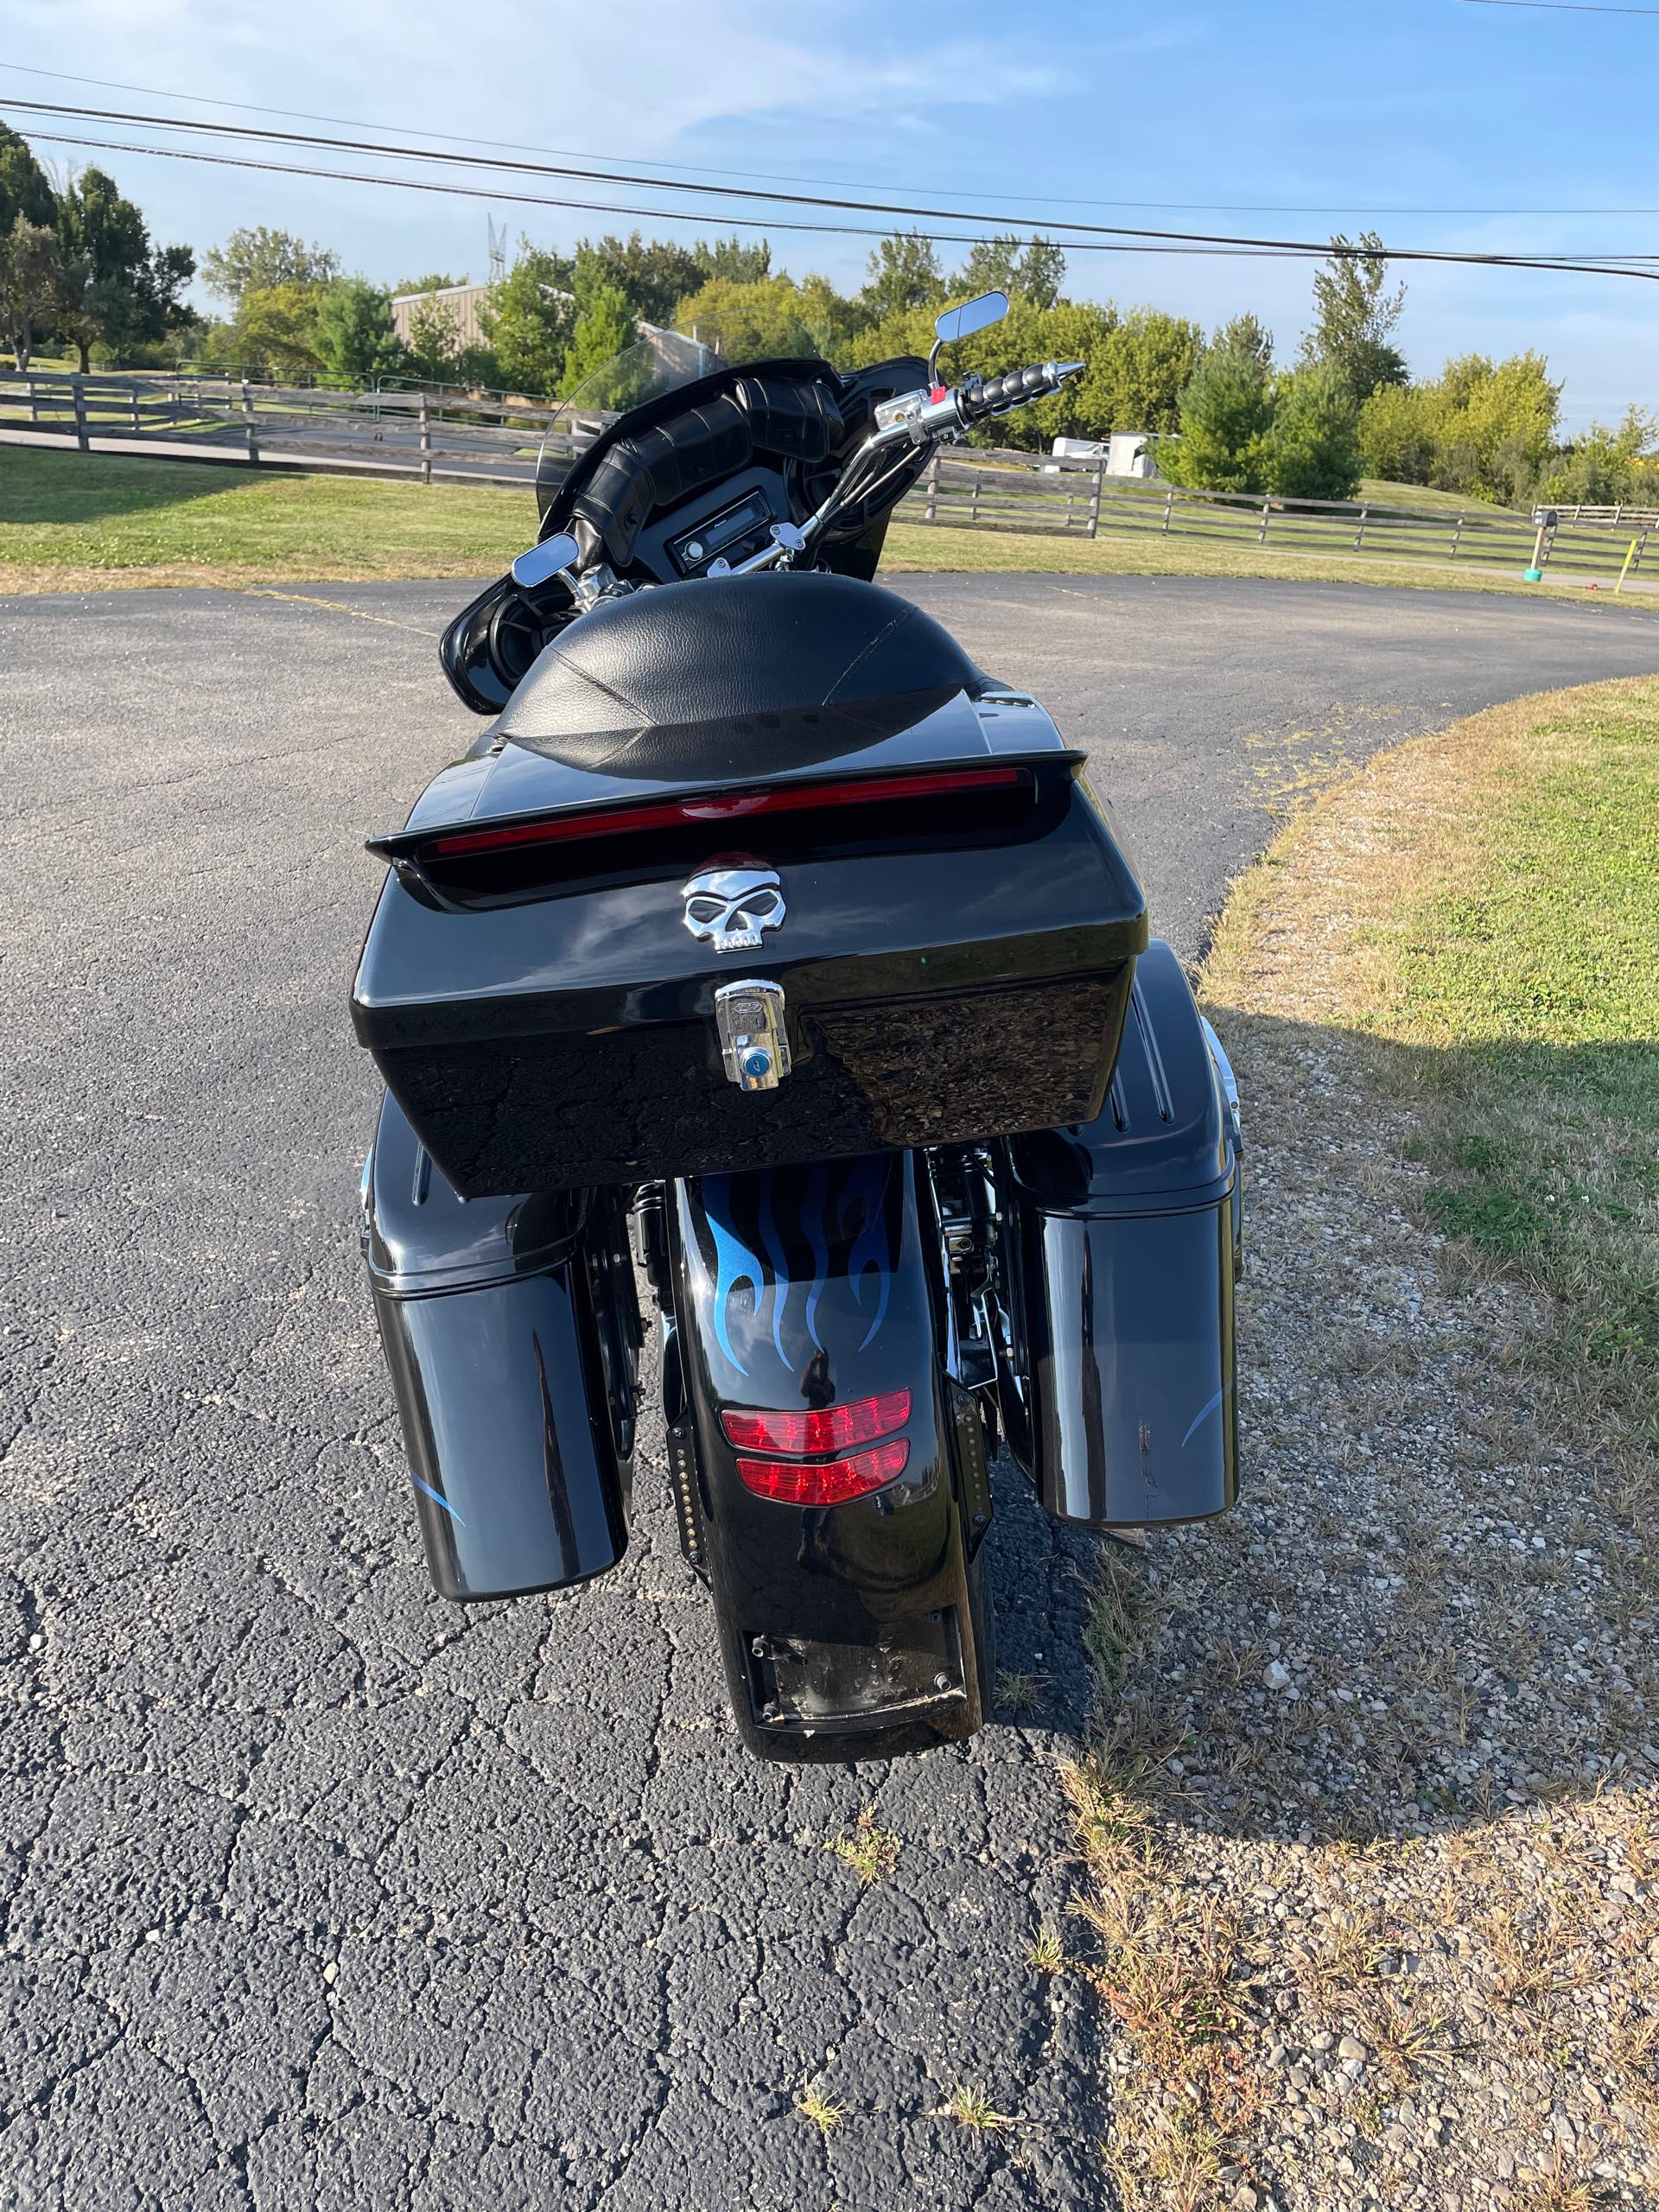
(1535, 964)
(915, 546)
(68, 519)
(1502, 931)
(1423, 498)
(72, 521)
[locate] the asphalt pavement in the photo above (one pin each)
(319, 1892)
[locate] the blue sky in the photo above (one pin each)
(1339, 111)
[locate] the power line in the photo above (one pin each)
(1118, 234)
(687, 168)
(1166, 206)
(1131, 242)
(1565, 7)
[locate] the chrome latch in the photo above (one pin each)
(753, 1041)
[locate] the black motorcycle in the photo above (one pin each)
(764, 942)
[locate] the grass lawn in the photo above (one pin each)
(72, 521)
(1370, 1815)
(1503, 953)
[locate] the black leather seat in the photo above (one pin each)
(781, 669)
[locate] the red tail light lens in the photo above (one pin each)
(829, 1429)
(829, 1482)
(721, 806)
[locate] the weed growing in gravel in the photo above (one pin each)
(870, 1850)
(1046, 1952)
(1020, 1692)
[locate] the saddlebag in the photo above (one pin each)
(945, 909)
(509, 1327)
(1122, 1249)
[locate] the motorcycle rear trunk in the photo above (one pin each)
(954, 934)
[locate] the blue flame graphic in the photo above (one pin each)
(866, 1181)
(861, 1234)
(817, 1184)
(735, 1262)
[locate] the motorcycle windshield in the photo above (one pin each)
(662, 362)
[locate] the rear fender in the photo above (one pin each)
(850, 1629)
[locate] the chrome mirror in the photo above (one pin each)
(971, 315)
(544, 561)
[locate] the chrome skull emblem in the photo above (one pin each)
(729, 907)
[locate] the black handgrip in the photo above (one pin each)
(1012, 387)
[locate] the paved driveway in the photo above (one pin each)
(321, 1892)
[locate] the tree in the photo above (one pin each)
(1226, 414)
(605, 327)
(1034, 271)
(653, 276)
(834, 321)
(118, 291)
(258, 260)
(354, 333)
(1312, 450)
(24, 187)
(749, 323)
(528, 318)
(730, 259)
(1245, 333)
(1396, 434)
(1604, 466)
(436, 283)
(1139, 366)
(276, 328)
(435, 348)
(31, 283)
(903, 272)
(1355, 318)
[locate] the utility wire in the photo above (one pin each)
(1323, 248)
(1130, 242)
(1565, 7)
(687, 168)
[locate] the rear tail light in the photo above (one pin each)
(711, 809)
(828, 1482)
(829, 1429)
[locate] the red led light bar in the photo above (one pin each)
(829, 1429)
(828, 1482)
(721, 806)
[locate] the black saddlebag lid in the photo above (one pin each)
(637, 682)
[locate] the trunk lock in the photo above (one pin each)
(753, 1041)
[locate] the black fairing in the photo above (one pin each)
(846, 1631)
(1118, 1392)
(798, 422)
(635, 686)
(510, 1331)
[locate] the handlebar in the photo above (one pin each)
(996, 395)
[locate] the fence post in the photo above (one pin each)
(34, 405)
(1261, 534)
(1169, 508)
(1359, 535)
(78, 390)
(933, 486)
(1094, 505)
(1456, 537)
(973, 512)
(426, 440)
(247, 417)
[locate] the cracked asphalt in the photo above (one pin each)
(318, 1891)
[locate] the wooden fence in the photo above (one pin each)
(455, 438)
